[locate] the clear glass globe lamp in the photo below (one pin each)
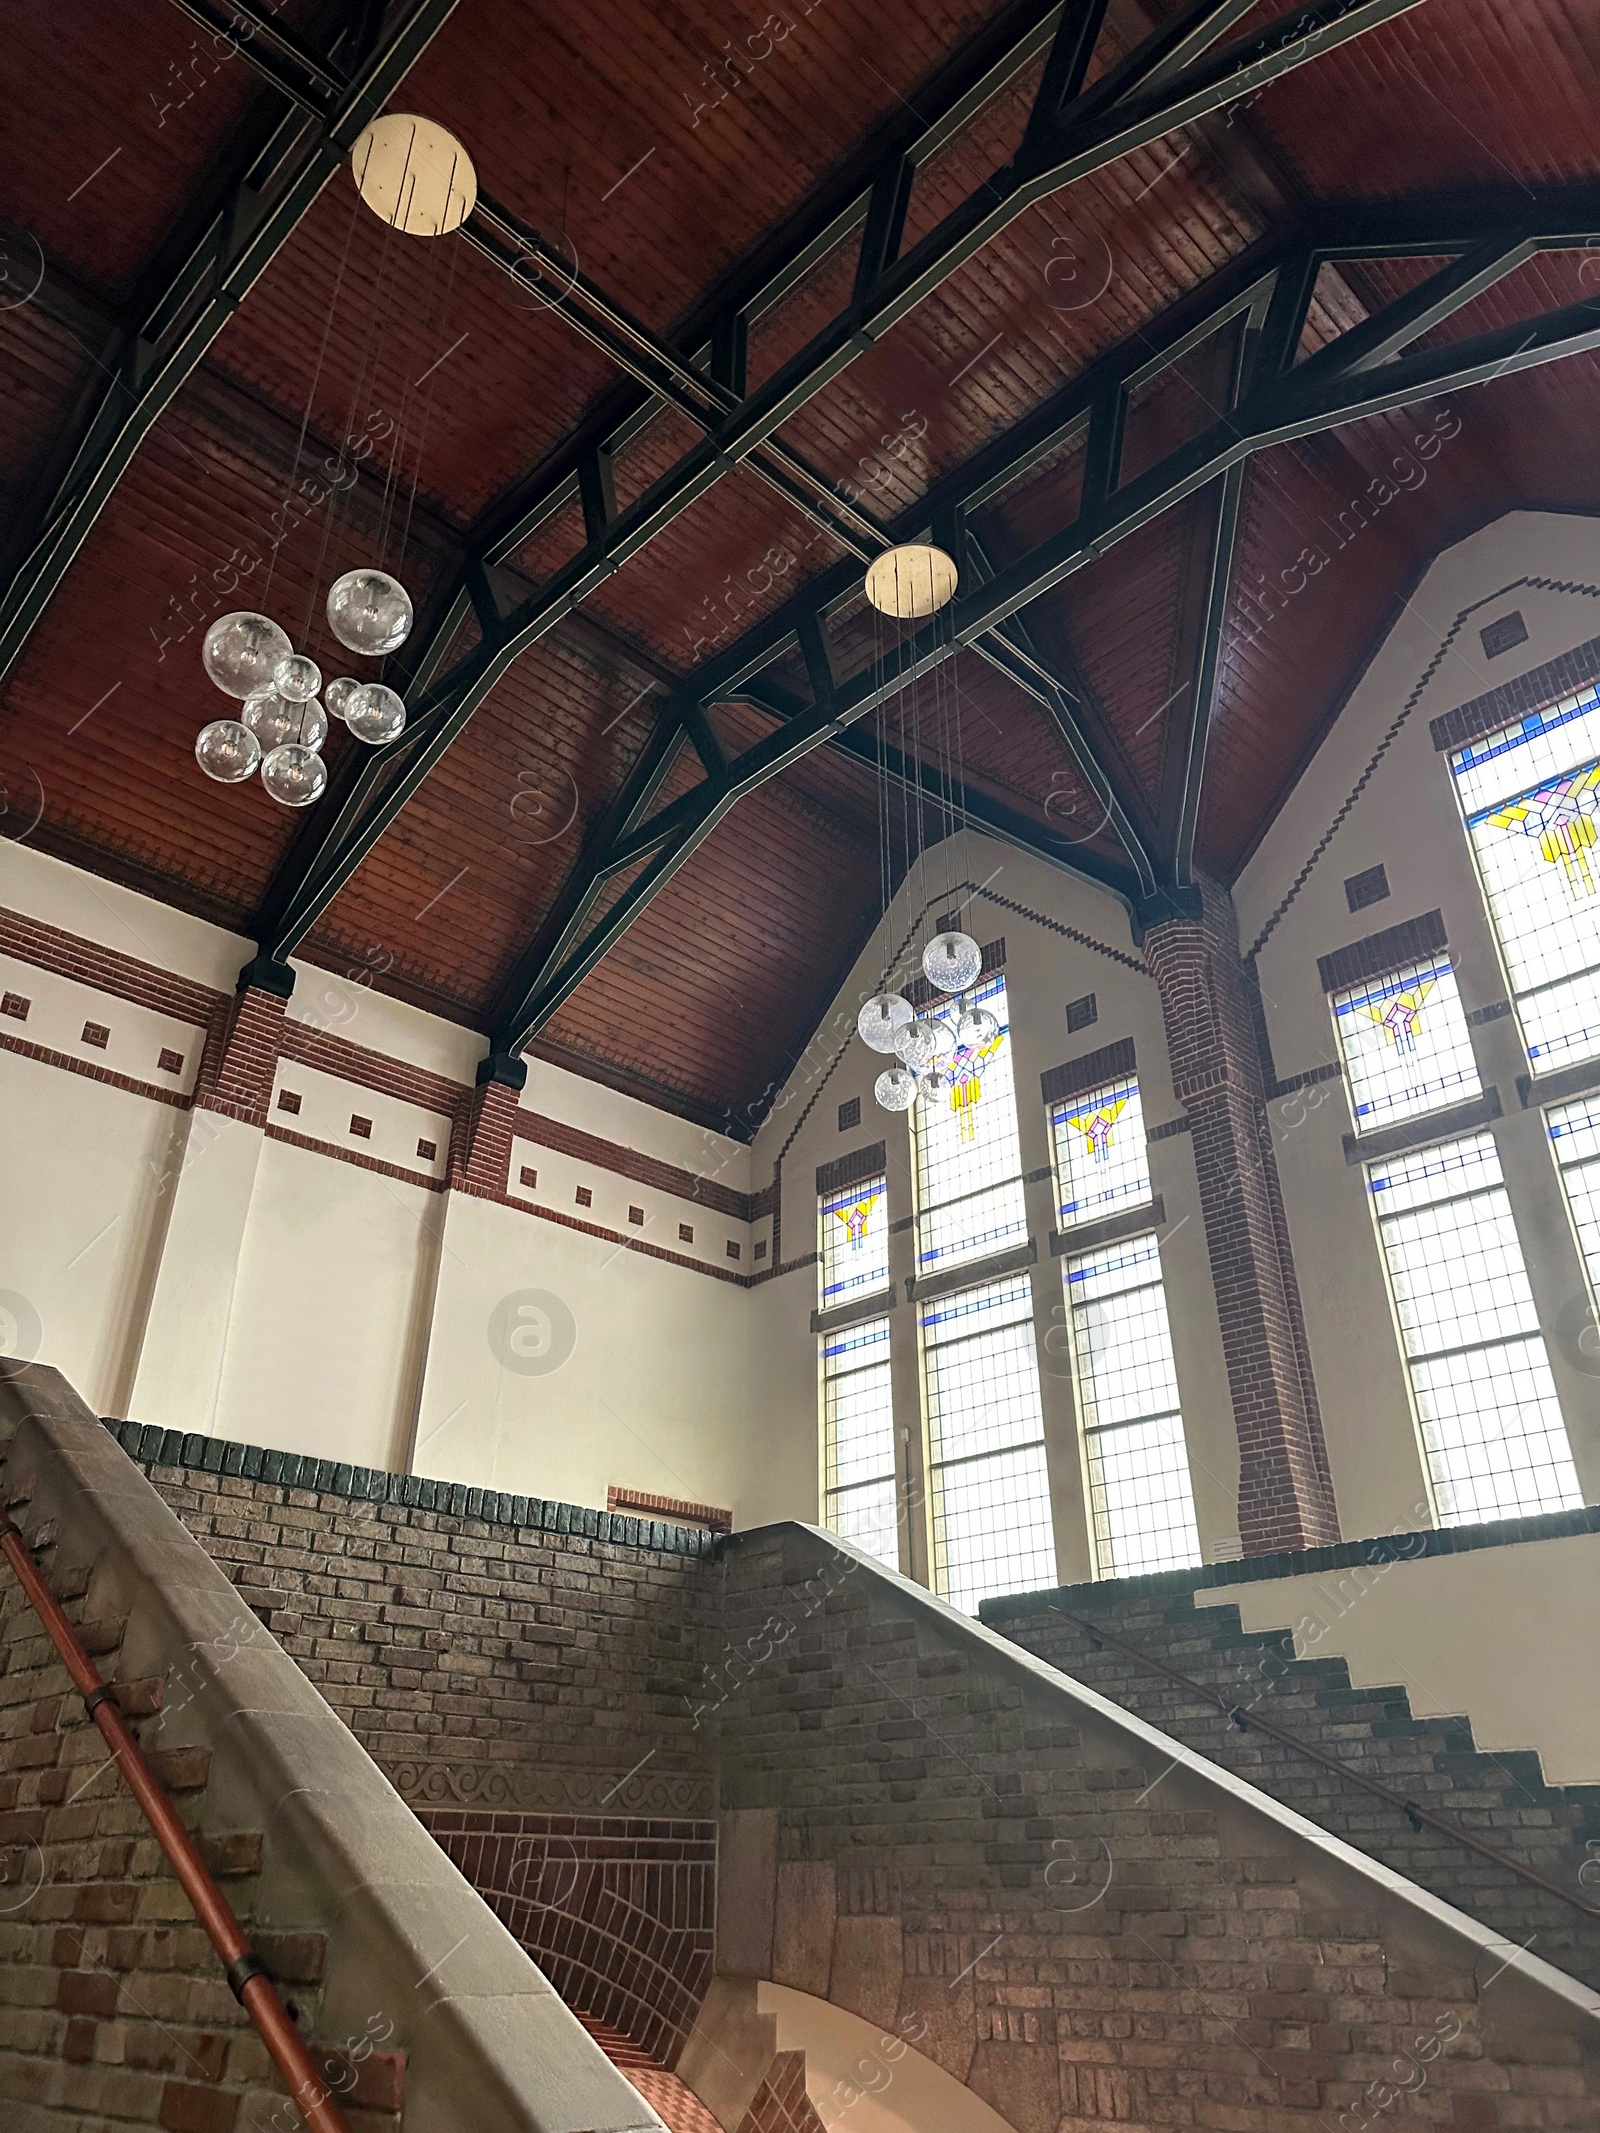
(880, 1018)
(375, 714)
(294, 776)
(240, 652)
(368, 611)
(297, 677)
(952, 961)
(896, 1089)
(227, 750)
(916, 1045)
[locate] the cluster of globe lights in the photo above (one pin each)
(909, 582)
(281, 727)
(930, 1050)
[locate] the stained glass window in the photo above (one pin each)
(1140, 1497)
(992, 1529)
(1480, 1376)
(855, 1242)
(969, 1160)
(1406, 1045)
(1530, 795)
(1101, 1162)
(860, 1500)
(1575, 1136)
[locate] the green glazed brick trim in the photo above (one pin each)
(1345, 1555)
(153, 1446)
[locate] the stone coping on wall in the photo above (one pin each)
(1305, 1562)
(152, 1446)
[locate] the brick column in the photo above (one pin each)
(1191, 944)
(240, 1059)
(206, 1189)
(480, 1143)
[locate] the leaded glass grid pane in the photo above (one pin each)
(1140, 1495)
(969, 1159)
(855, 1242)
(859, 1495)
(1575, 1136)
(1406, 1045)
(992, 1529)
(1101, 1160)
(1530, 795)
(1486, 1403)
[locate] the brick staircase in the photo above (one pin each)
(418, 2006)
(1501, 1798)
(679, 2110)
(918, 1826)
(92, 1913)
(780, 2103)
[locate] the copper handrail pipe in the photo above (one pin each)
(251, 1986)
(1244, 1718)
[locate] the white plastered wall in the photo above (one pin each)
(354, 1309)
(1406, 818)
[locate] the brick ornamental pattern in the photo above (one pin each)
(618, 1913)
(1285, 1491)
(971, 1859)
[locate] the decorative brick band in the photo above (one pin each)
(46, 1057)
(1112, 1062)
(30, 940)
(852, 1169)
(1541, 686)
(153, 1446)
(275, 1132)
(1375, 954)
(673, 1507)
(629, 1163)
(310, 1046)
(632, 1244)
(1172, 1128)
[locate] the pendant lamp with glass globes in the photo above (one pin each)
(909, 583)
(281, 727)
(418, 178)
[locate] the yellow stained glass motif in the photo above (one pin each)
(856, 1215)
(1561, 817)
(1096, 1128)
(967, 1086)
(1400, 1016)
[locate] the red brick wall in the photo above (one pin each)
(113, 2007)
(241, 1056)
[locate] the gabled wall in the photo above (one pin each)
(1405, 817)
(1063, 939)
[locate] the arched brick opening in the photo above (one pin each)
(617, 1912)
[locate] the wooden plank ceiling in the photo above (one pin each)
(596, 125)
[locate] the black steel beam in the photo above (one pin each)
(1194, 729)
(162, 348)
(1078, 143)
(1275, 405)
